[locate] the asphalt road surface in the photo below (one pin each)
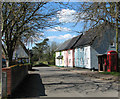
(55, 82)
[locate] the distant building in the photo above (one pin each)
(21, 54)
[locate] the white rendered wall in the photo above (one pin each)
(57, 61)
(70, 58)
(87, 58)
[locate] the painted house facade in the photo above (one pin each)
(82, 51)
(70, 59)
(82, 57)
(59, 58)
(61, 54)
(92, 43)
(67, 53)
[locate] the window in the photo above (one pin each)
(112, 44)
(69, 52)
(69, 60)
(81, 49)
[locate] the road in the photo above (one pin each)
(55, 82)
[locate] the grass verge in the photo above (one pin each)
(51, 65)
(111, 73)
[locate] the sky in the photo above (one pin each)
(68, 29)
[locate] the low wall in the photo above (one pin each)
(7, 71)
(15, 75)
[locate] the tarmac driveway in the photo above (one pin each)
(56, 82)
(64, 83)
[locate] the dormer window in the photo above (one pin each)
(112, 44)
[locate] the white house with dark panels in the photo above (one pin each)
(21, 53)
(98, 40)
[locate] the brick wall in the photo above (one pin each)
(15, 75)
(8, 75)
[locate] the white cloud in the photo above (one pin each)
(67, 15)
(60, 37)
(59, 29)
(52, 19)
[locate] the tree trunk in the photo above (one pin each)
(9, 57)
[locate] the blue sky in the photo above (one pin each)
(68, 29)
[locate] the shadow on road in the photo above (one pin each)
(33, 70)
(41, 65)
(30, 87)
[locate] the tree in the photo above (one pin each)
(50, 53)
(39, 50)
(94, 13)
(20, 21)
(45, 51)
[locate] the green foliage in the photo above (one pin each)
(111, 73)
(39, 50)
(39, 63)
(44, 52)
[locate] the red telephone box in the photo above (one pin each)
(111, 61)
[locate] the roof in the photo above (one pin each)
(88, 38)
(72, 42)
(23, 46)
(68, 44)
(92, 34)
(21, 51)
(63, 45)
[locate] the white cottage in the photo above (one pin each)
(60, 58)
(66, 52)
(98, 40)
